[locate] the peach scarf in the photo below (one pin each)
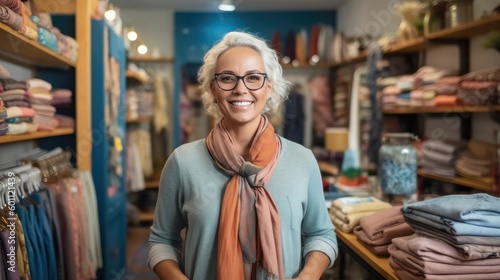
(249, 223)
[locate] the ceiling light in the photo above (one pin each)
(142, 49)
(110, 14)
(131, 34)
(226, 6)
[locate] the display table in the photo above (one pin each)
(377, 266)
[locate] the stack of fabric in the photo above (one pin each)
(376, 231)
(346, 212)
(477, 162)
(15, 14)
(439, 157)
(390, 92)
(17, 102)
(62, 98)
(480, 87)
(445, 89)
(457, 237)
(41, 103)
(406, 83)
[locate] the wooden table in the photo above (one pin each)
(377, 266)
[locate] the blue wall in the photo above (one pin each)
(195, 33)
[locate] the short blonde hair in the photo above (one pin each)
(271, 64)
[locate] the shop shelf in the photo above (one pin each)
(469, 29)
(146, 217)
(35, 135)
(23, 50)
(459, 181)
(150, 59)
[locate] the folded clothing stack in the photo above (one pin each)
(458, 237)
(376, 231)
(439, 157)
(480, 87)
(346, 212)
(476, 162)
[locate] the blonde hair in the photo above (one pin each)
(271, 65)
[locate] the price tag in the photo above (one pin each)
(118, 144)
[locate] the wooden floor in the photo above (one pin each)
(137, 240)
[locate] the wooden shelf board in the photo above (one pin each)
(139, 120)
(327, 167)
(443, 109)
(380, 264)
(458, 181)
(21, 49)
(35, 135)
(469, 29)
(150, 59)
(362, 57)
(414, 45)
(153, 184)
(146, 217)
(135, 78)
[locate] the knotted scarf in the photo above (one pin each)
(249, 223)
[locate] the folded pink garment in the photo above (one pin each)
(449, 80)
(44, 108)
(434, 249)
(387, 236)
(405, 273)
(10, 18)
(375, 224)
(60, 92)
(15, 5)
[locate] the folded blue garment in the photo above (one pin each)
(479, 209)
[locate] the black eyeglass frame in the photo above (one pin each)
(238, 78)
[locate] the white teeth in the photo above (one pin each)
(246, 103)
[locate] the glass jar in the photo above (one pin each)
(398, 164)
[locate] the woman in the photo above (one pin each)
(251, 202)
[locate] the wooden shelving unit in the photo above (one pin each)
(146, 217)
(20, 49)
(458, 181)
(466, 30)
(150, 59)
(36, 135)
(469, 29)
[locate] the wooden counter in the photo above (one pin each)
(373, 263)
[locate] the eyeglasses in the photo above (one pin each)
(253, 81)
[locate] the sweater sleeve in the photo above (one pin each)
(317, 228)
(165, 239)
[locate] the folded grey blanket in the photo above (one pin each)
(479, 209)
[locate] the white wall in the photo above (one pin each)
(154, 27)
(377, 18)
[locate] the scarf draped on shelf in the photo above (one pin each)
(247, 205)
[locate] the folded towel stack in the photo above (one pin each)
(346, 212)
(439, 157)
